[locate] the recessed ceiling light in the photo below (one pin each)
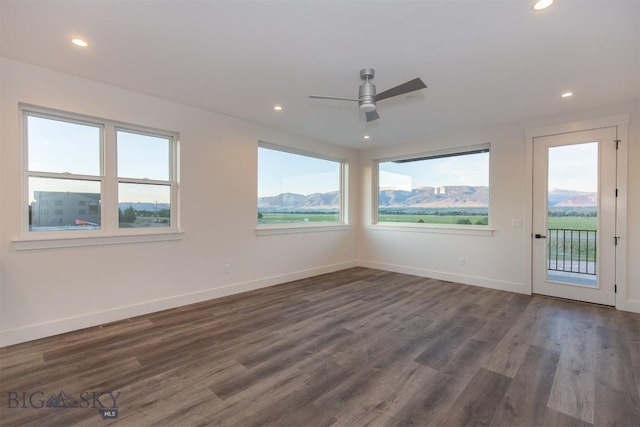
(542, 4)
(366, 137)
(567, 94)
(79, 42)
(277, 107)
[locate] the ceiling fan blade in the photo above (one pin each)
(410, 86)
(336, 98)
(372, 115)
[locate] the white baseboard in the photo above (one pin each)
(68, 324)
(629, 305)
(59, 326)
(501, 285)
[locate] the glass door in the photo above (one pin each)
(574, 216)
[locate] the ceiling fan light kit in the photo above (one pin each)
(367, 97)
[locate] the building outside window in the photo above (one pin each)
(123, 173)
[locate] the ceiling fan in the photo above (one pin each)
(367, 97)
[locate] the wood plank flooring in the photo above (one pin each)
(359, 347)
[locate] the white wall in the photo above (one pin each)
(49, 291)
(45, 292)
(494, 261)
(500, 261)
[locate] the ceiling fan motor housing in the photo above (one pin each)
(367, 92)
(367, 96)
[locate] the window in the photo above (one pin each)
(144, 185)
(121, 176)
(440, 188)
(298, 188)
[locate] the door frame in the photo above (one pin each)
(621, 123)
(602, 291)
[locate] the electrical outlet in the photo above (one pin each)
(227, 268)
(461, 261)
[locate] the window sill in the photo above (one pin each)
(265, 230)
(435, 228)
(67, 241)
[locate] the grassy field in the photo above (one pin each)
(566, 222)
(431, 219)
(573, 222)
(284, 218)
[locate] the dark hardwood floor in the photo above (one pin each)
(357, 347)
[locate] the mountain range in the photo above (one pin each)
(460, 196)
(559, 198)
(457, 196)
(292, 201)
(143, 206)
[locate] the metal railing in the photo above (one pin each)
(572, 250)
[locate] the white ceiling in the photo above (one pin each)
(485, 62)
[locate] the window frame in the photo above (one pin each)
(482, 230)
(110, 231)
(303, 227)
(172, 179)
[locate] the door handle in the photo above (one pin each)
(540, 236)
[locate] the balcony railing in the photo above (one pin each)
(572, 251)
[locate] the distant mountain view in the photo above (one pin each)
(459, 197)
(462, 196)
(424, 197)
(299, 202)
(559, 198)
(143, 206)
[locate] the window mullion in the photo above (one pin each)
(174, 174)
(26, 202)
(56, 175)
(344, 192)
(375, 193)
(109, 180)
(143, 181)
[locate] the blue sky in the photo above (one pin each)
(281, 172)
(58, 146)
(64, 147)
(573, 167)
(471, 169)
